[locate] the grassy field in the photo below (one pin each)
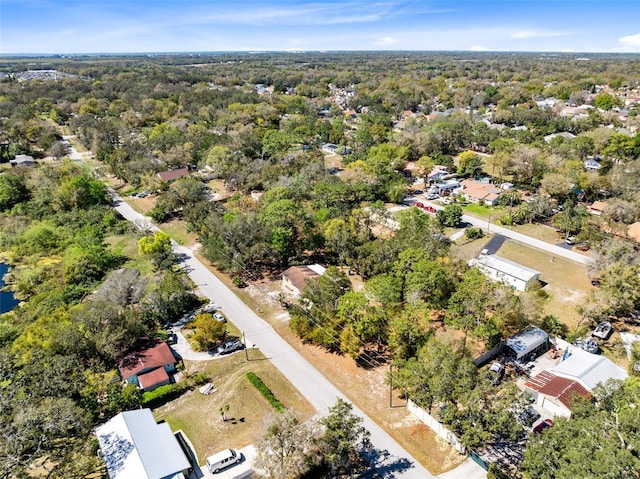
(484, 212)
(538, 231)
(567, 282)
(127, 245)
(199, 415)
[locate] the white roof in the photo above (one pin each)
(316, 268)
(134, 446)
(589, 369)
(507, 267)
(525, 341)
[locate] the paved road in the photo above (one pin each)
(528, 240)
(390, 459)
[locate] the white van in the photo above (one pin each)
(223, 459)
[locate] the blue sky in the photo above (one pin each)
(96, 26)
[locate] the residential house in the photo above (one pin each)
(170, 176)
(437, 173)
(555, 393)
(565, 134)
(148, 367)
(597, 208)
(329, 148)
(477, 191)
(633, 232)
(508, 272)
(592, 164)
(296, 278)
(22, 160)
(134, 446)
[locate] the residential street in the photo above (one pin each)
(533, 242)
(389, 458)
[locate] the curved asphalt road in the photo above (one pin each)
(387, 456)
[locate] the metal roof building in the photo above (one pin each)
(134, 446)
(530, 340)
(589, 369)
(501, 269)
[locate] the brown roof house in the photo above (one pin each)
(148, 367)
(295, 278)
(170, 176)
(597, 208)
(477, 191)
(555, 393)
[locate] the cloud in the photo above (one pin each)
(386, 41)
(301, 14)
(527, 33)
(631, 41)
(478, 48)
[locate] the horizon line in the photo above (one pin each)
(296, 51)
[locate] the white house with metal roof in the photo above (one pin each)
(505, 271)
(134, 446)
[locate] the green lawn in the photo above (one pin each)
(484, 212)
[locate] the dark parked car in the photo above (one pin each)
(528, 417)
(542, 425)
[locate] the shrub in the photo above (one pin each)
(265, 391)
(163, 394)
(473, 233)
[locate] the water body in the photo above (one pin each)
(7, 300)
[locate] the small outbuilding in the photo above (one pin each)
(530, 341)
(22, 160)
(508, 272)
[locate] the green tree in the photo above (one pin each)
(469, 164)
(451, 216)
(343, 438)
(209, 332)
(157, 246)
(13, 190)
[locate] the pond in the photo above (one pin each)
(7, 300)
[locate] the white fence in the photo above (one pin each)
(435, 426)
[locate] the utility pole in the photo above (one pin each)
(244, 341)
(390, 386)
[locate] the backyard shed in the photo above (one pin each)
(529, 341)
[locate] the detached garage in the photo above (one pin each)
(530, 341)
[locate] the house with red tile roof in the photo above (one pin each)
(148, 367)
(555, 393)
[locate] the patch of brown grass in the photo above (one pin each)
(199, 415)
(567, 283)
